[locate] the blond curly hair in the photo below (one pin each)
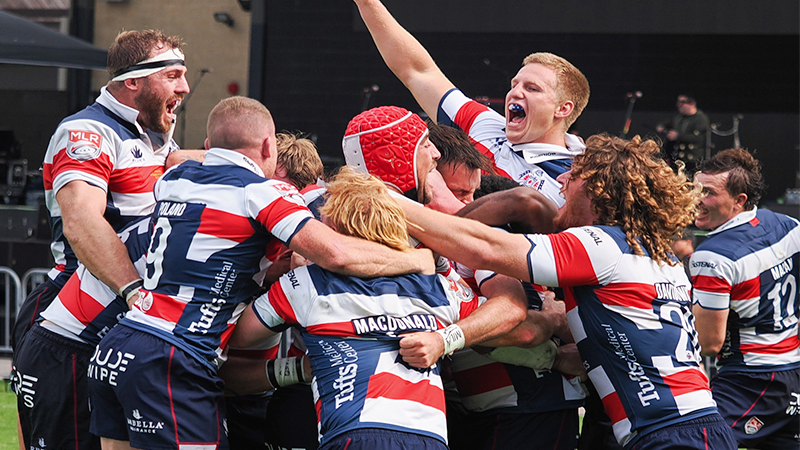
(631, 186)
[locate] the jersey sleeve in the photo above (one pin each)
(288, 301)
(712, 280)
(584, 256)
(463, 300)
(80, 150)
(278, 207)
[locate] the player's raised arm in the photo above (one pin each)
(405, 56)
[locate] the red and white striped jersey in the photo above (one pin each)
(631, 319)
(104, 146)
(351, 329)
(85, 309)
(750, 266)
(531, 164)
(218, 226)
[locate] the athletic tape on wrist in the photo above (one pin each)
(285, 371)
(130, 289)
(453, 337)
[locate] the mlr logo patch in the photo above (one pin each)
(83, 145)
(753, 425)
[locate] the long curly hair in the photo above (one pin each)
(629, 185)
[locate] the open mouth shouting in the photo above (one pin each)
(172, 107)
(516, 113)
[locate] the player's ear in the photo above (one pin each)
(565, 109)
(206, 145)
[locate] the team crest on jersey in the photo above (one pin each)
(753, 425)
(285, 188)
(145, 302)
(534, 180)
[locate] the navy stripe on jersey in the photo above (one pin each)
(554, 167)
(426, 288)
(100, 113)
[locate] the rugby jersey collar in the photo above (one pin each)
(742, 217)
(537, 153)
(222, 157)
(123, 111)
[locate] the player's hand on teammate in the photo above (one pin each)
(569, 362)
(422, 349)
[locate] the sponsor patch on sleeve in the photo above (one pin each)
(83, 145)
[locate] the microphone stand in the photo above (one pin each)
(182, 109)
(631, 100)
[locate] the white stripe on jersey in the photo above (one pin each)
(686, 402)
(752, 358)
(141, 204)
(576, 324)
(72, 175)
(204, 245)
(622, 428)
(644, 319)
(746, 309)
(405, 413)
(336, 308)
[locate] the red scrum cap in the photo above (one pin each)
(383, 141)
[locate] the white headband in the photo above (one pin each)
(171, 57)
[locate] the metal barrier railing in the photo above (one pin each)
(31, 279)
(10, 279)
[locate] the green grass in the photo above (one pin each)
(8, 421)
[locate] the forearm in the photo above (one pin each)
(504, 310)
(361, 258)
(405, 56)
(469, 242)
(244, 376)
(357, 257)
(521, 205)
(537, 328)
(251, 376)
(99, 248)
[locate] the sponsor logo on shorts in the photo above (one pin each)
(41, 445)
(24, 387)
(794, 405)
(107, 367)
(139, 424)
(753, 425)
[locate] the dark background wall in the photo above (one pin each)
(736, 57)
